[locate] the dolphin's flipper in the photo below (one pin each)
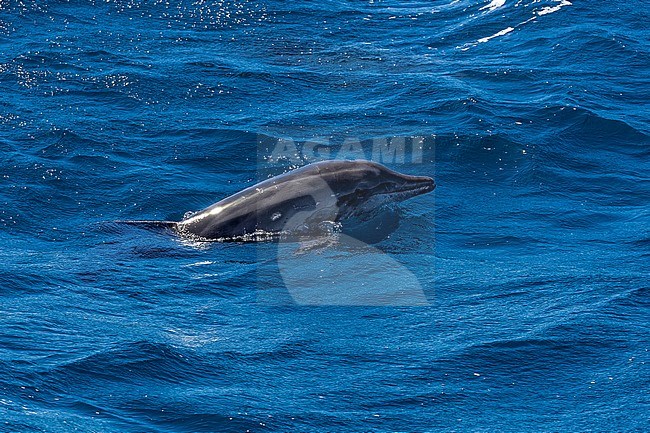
(316, 245)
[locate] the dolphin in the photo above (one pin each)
(301, 201)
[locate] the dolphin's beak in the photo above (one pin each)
(416, 185)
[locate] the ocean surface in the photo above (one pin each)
(528, 265)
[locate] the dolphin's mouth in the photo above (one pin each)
(416, 186)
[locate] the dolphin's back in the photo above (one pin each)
(269, 207)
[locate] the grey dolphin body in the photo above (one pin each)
(303, 199)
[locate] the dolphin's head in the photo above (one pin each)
(363, 185)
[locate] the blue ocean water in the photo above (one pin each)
(532, 253)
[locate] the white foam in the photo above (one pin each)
(550, 9)
(203, 263)
(497, 34)
(494, 4)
